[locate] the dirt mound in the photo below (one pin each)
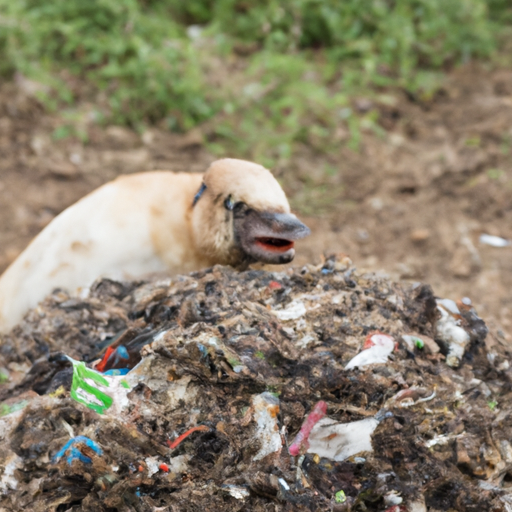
(227, 367)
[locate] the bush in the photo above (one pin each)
(399, 32)
(304, 59)
(140, 59)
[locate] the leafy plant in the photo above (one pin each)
(300, 63)
(137, 58)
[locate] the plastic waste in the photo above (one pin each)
(72, 450)
(266, 410)
(376, 350)
(339, 441)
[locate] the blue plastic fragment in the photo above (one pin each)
(326, 271)
(117, 371)
(203, 350)
(122, 352)
(383, 414)
(119, 353)
(75, 453)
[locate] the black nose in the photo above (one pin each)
(286, 225)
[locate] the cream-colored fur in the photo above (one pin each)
(254, 186)
(136, 225)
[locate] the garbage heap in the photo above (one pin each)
(313, 389)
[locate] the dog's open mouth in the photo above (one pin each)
(269, 237)
(275, 244)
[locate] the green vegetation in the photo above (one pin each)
(258, 76)
(139, 60)
(6, 409)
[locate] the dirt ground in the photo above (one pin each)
(412, 203)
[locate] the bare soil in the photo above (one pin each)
(412, 203)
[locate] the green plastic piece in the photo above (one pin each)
(340, 497)
(418, 342)
(86, 392)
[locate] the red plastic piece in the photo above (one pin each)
(101, 365)
(312, 419)
(178, 440)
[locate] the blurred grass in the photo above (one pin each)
(260, 76)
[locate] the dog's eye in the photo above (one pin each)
(229, 204)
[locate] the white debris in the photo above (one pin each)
(179, 464)
(427, 398)
(372, 355)
(300, 325)
(409, 397)
(494, 241)
(180, 391)
(238, 492)
(68, 427)
(339, 441)
(118, 390)
(449, 305)
(8, 481)
(213, 341)
(507, 502)
(266, 410)
(290, 331)
(160, 335)
(284, 484)
(305, 341)
(449, 331)
(393, 498)
(380, 339)
(442, 439)
(152, 464)
(293, 311)
(488, 486)
(381, 348)
(503, 366)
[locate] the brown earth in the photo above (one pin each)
(411, 203)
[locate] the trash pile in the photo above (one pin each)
(313, 389)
